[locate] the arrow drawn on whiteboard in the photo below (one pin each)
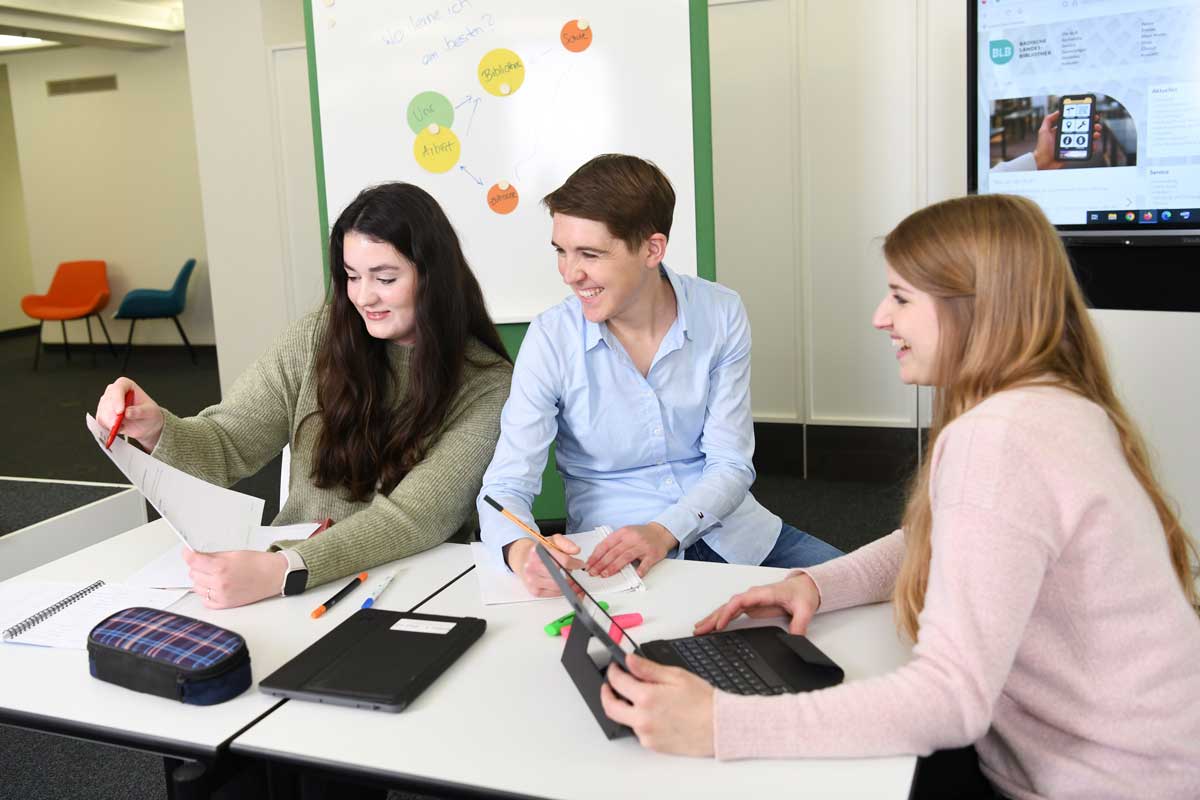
(537, 136)
(468, 172)
(474, 108)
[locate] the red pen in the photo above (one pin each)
(112, 434)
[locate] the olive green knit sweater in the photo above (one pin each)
(237, 437)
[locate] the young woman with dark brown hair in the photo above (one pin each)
(1040, 570)
(389, 397)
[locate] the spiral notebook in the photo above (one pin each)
(62, 614)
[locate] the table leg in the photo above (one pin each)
(186, 780)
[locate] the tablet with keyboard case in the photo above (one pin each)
(376, 659)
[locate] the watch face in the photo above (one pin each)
(295, 582)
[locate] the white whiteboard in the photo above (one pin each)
(544, 112)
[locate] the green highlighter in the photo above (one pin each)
(553, 628)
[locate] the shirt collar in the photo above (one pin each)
(595, 332)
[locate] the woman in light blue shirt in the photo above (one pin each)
(642, 378)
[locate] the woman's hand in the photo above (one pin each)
(670, 709)
(235, 577)
(796, 596)
(532, 572)
(143, 418)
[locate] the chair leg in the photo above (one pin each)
(91, 345)
(191, 352)
(66, 344)
(128, 346)
(37, 348)
(104, 328)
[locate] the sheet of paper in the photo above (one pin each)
(69, 626)
(206, 518)
(498, 585)
(170, 571)
(264, 536)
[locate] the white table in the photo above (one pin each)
(50, 689)
(72, 526)
(506, 717)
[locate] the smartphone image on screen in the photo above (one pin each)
(1075, 127)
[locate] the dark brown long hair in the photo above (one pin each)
(368, 438)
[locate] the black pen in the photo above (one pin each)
(347, 589)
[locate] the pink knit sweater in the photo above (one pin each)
(1054, 634)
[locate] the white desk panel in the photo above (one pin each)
(506, 717)
(50, 689)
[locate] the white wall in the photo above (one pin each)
(1153, 360)
(237, 145)
(756, 145)
(112, 175)
(16, 270)
(831, 122)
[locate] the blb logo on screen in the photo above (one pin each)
(1001, 51)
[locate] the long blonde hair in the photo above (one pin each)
(1009, 313)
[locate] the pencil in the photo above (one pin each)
(517, 521)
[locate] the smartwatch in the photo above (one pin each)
(295, 580)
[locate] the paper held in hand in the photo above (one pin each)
(205, 517)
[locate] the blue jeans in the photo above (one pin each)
(794, 549)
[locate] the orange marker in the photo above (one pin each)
(347, 589)
(112, 434)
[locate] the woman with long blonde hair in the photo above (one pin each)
(1040, 570)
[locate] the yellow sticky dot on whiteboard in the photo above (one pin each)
(501, 72)
(582, 24)
(436, 150)
(328, 3)
(332, 22)
(503, 186)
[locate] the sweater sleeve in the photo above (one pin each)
(429, 504)
(993, 539)
(868, 575)
(238, 436)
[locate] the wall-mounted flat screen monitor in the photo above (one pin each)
(1091, 108)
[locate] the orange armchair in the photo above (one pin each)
(79, 290)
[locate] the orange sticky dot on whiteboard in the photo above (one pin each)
(576, 35)
(503, 198)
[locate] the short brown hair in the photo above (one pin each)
(628, 194)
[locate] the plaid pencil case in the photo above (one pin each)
(169, 655)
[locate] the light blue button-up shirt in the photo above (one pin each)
(673, 447)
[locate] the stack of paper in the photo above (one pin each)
(498, 585)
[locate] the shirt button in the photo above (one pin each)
(657, 430)
(669, 482)
(659, 462)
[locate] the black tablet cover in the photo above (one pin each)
(376, 659)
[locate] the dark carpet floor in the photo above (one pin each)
(45, 437)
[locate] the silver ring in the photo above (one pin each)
(210, 594)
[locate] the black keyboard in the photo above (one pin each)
(727, 663)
